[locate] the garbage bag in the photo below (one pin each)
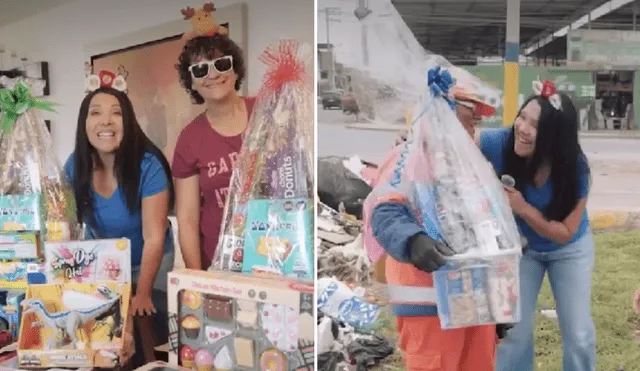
(329, 361)
(368, 351)
(337, 184)
(269, 214)
(34, 193)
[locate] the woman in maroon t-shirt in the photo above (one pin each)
(211, 70)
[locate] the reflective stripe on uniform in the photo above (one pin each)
(416, 295)
(393, 197)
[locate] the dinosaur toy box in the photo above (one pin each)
(73, 325)
(230, 321)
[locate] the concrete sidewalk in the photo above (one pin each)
(614, 220)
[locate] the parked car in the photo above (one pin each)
(331, 99)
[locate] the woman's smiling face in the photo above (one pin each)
(104, 123)
(526, 129)
(215, 86)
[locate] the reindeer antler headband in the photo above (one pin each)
(105, 78)
(547, 90)
(202, 21)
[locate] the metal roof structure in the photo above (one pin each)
(462, 30)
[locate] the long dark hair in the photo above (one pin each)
(129, 156)
(556, 143)
(209, 47)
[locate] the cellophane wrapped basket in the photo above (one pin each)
(269, 214)
(34, 193)
(459, 200)
(439, 173)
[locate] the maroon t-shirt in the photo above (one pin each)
(201, 150)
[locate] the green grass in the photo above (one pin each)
(615, 279)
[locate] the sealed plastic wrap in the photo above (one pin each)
(34, 193)
(268, 218)
(439, 173)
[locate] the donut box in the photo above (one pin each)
(229, 321)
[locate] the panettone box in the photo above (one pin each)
(231, 321)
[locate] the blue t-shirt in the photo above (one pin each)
(112, 217)
(493, 143)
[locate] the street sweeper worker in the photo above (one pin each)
(408, 256)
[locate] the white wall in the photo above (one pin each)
(61, 35)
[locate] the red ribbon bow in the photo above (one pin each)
(548, 89)
(106, 78)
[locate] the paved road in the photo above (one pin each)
(615, 162)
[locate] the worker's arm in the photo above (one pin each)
(394, 227)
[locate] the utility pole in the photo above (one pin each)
(361, 12)
(331, 76)
(365, 104)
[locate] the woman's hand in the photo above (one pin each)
(636, 301)
(141, 305)
(516, 201)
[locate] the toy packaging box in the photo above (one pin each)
(73, 325)
(10, 312)
(13, 285)
(229, 321)
(13, 274)
(88, 261)
(76, 306)
(20, 246)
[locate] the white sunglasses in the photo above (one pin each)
(220, 65)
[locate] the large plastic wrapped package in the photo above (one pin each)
(34, 193)
(439, 173)
(269, 213)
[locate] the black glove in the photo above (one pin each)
(502, 328)
(426, 253)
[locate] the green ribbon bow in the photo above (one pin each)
(14, 103)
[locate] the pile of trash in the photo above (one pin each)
(341, 348)
(340, 247)
(346, 317)
(343, 185)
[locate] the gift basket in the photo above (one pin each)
(34, 193)
(439, 173)
(268, 218)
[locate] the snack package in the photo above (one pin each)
(34, 193)
(439, 173)
(268, 223)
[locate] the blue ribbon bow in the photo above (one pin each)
(440, 81)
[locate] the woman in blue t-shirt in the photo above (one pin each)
(542, 153)
(122, 185)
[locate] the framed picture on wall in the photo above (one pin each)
(162, 105)
(147, 59)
